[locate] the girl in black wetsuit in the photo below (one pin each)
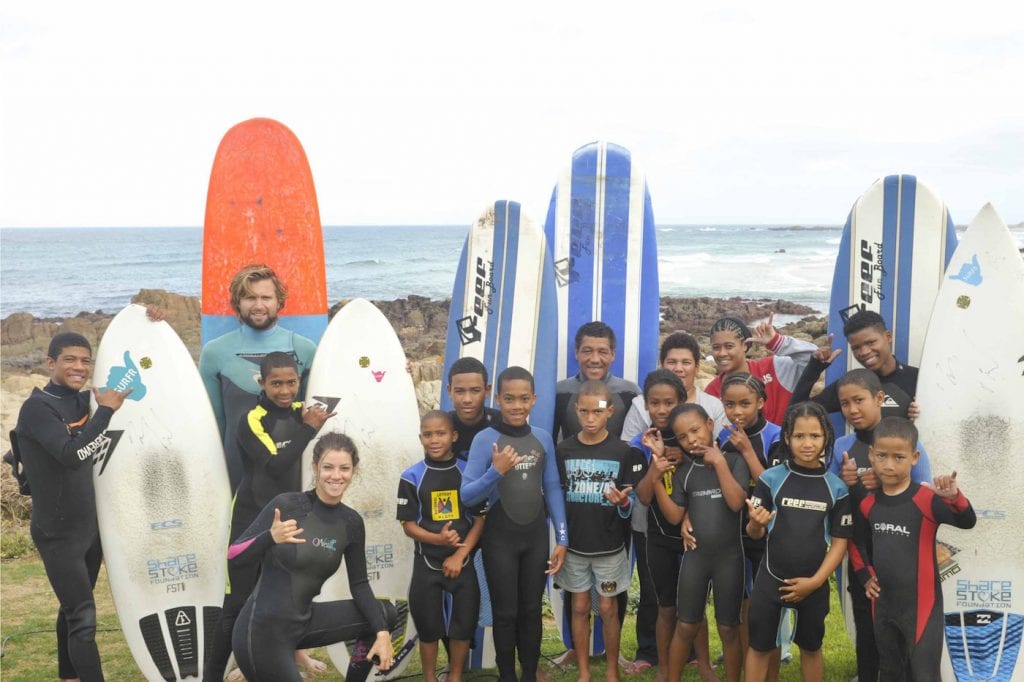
(301, 539)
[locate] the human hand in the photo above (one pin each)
(660, 465)
(653, 441)
(285, 531)
(738, 437)
(945, 486)
(452, 566)
(617, 497)
(109, 397)
(315, 415)
(913, 410)
(506, 460)
(711, 453)
(764, 332)
(556, 560)
(795, 590)
(686, 530)
(383, 650)
(872, 589)
(826, 354)
(450, 537)
(758, 514)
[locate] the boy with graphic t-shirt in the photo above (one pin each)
(597, 475)
(901, 574)
(446, 532)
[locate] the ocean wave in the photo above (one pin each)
(806, 228)
(369, 262)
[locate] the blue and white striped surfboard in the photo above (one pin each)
(897, 241)
(600, 227)
(503, 313)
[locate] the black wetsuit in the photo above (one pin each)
(908, 617)
(515, 538)
(271, 440)
(812, 506)
(900, 387)
(567, 423)
(280, 615)
(428, 493)
(58, 442)
(764, 438)
(718, 559)
(467, 432)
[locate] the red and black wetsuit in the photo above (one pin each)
(908, 611)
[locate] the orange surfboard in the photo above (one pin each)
(261, 208)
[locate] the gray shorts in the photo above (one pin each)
(610, 574)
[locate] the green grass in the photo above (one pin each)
(29, 609)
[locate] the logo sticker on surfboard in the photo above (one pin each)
(970, 273)
(127, 377)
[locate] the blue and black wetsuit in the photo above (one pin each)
(58, 441)
(908, 617)
(280, 615)
(515, 538)
(812, 506)
(230, 366)
(428, 493)
(271, 439)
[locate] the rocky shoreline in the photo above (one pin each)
(419, 322)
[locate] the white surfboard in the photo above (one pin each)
(359, 372)
(972, 422)
(162, 498)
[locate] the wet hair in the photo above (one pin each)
(807, 408)
(515, 373)
(865, 319)
(897, 427)
(467, 366)
(864, 378)
(335, 440)
(241, 284)
(277, 360)
(67, 340)
(745, 379)
(595, 388)
(679, 340)
(667, 377)
(438, 414)
(597, 330)
(731, 324)
(686, 408)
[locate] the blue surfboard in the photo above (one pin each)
(600, 227)
(503, 313)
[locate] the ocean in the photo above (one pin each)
(59, 272)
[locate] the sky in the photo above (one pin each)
(425, 113)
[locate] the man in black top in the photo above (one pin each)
(468, 389)
(871, 345)
(57, 441)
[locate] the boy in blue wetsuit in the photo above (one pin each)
(57, 440)
(469, 388)
(711, 487)
(229, 365)
(596, 470)
(862, 398)
(271, 437)
(804, 510)
(900, 574)
(446, 533)
(512, 468)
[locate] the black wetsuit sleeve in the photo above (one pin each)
(43, 424)
(408, 501)
(561, 405)
(828, 398)
(858, 549)
(259, 447)
(358, 581)
(956, 512)
(253, 543)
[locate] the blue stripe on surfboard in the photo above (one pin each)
(310, 326)
(510, 212)
(581, 248)
(616, 237)
(839, 301)
(890, 229)
(905, 266)
(650, 297)
(497, 276)
(951, 240)
(453, 340)
(545, 361)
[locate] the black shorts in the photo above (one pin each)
(664, 555)
(430, 610)
(723, 569)
(766, 611)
